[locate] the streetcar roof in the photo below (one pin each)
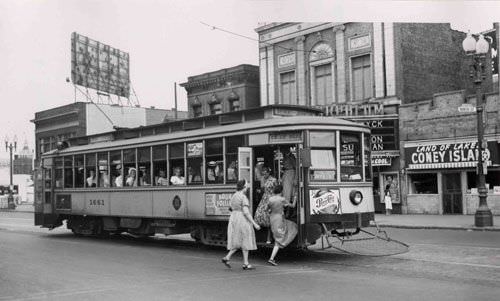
(270, 124)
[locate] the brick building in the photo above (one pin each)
(221, 91)
(439, 154)
(363, 72)
(84, 118)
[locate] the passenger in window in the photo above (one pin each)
(119, 179)
(91, 180)
(177, 178)
(231, 171)
(104, 179)
(144, 177)
(132, 177)
(162, 179)
(214, 173)
(194, 175)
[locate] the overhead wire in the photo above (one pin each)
(253, 39)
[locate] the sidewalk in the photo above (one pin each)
(427, 221)
(20, 208)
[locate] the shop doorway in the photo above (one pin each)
(452, 193)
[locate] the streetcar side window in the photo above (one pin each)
(160, 165)
(176, 153)
(58, 175)
(79, 171)
(103, 174)
(350, 157)
(116, 168)
(144, 164)
(232, 144)
(90, 170)
(129, 165)
(214, 161)
(194, 154)
(68, 172)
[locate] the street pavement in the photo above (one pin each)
(38, 264)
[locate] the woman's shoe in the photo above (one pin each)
(272, 262)
(248, 267)
(226, 262)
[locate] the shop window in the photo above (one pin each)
(103, 179)
(350, 157)
(160, 165)
(129, 167)
(194, 155)
(232, 144)
(58, 175)
(214, 161)
(423, 183)
(116, 168)
(68, 172)
(79, 171)
(176, 153)
(287, 88)
(492, 179)
(323, 165)
(361, 78)
(90, 170)
(323, 84)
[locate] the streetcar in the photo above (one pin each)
(178, 177)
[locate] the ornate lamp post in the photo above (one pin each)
(477, 51)
(9, 145)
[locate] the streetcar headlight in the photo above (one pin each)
(356, 197)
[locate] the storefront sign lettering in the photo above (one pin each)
(285, 137)
(384, 161)
(353, 109)
(447, 153)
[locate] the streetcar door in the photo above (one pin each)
(245, 169)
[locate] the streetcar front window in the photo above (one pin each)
(351, 168)
(58, 176)
(68, 172)
(323, 167)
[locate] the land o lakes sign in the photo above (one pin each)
(450, 155)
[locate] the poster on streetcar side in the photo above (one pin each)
(324, 201)
(217, 203)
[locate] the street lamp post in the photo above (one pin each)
(477, 51)
(9, 146)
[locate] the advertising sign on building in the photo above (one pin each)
(449, 155)
(98, 66)
(217, 203)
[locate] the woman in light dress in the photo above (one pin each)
(284, 231)
(240, 233)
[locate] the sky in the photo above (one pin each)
(167, 42)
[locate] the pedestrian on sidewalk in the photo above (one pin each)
(240, 233)
(284, 231)
(387, 201)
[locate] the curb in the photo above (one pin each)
(490, 229)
